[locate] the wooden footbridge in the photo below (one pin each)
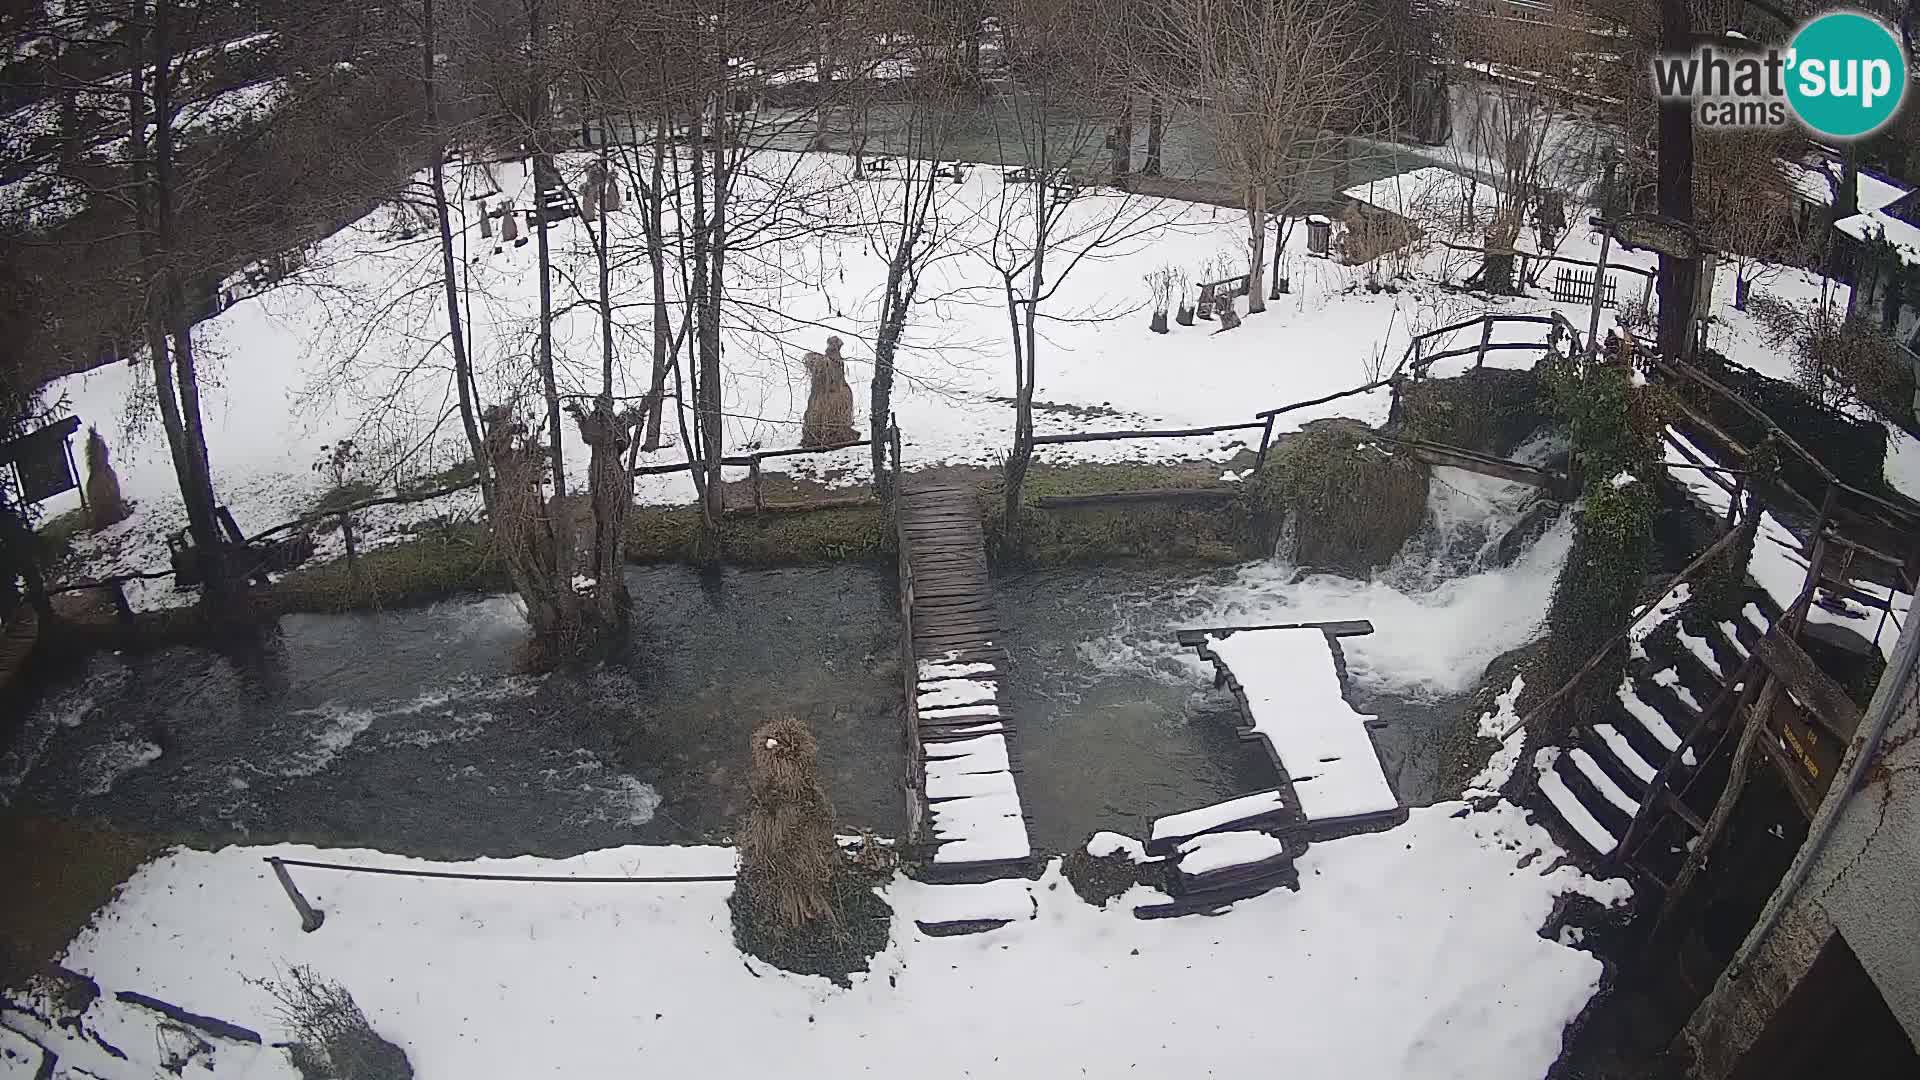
(965, 803)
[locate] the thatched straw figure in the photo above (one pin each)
(829, 417)
(105, 506)
(787, 853)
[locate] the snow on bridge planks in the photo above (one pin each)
(959, 725)
(1288, 686)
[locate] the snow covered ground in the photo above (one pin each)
(354, 348)
(1413, 953)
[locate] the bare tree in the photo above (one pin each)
(1047, 227)
(1273, 80)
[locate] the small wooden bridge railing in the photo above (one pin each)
(1414, 364)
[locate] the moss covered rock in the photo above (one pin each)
(1338, 498)
(1493, 410)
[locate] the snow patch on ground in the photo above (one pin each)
(1415, 953)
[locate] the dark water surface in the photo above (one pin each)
(409, 731)
(1119, 725)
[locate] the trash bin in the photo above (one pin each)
(1319, 234)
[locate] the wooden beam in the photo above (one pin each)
(1196, 636)
(1824, 700)
(1144, 495)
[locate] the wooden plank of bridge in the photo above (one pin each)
(951, 620)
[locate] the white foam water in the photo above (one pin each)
(1440, 611)
(102, 766)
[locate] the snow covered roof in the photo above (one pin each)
(1810, 181)
(1904, 236)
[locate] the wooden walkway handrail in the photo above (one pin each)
(1166, 433)
(1614, 642)
(1366, 389)
(1908, 516)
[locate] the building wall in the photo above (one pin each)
(1864, 883)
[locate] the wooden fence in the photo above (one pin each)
(1414, 363)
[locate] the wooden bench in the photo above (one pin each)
(1225, 287)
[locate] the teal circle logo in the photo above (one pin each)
(1846, 74)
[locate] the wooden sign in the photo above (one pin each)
(1657, 233)
(42, 461)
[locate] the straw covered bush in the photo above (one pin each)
(1342, 500)
(798, 903)
(105, 505)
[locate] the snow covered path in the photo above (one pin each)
(1414, 953)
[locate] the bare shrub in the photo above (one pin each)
(1838, 360)
(332, 1039)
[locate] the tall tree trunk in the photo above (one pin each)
(706, 390)
(823, 77)
(190, 458)
(1677, 278)
(449, 271)
(1024, 317)
(1257, 249)
(544, 175)
(716, 297)
(1156, 132)
(893, 321)
(1123, 144)
(657, 260)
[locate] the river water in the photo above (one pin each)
(411, 732)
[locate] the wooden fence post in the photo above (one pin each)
(753, 471)
(311, 917)
(1266, 440)
(1486, 337)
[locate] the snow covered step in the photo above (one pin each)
(941, 910)
(1216, 869)
(1670, 679)
(1568, 806)
(1259, 808)
(1603, 783)
(1624, 753)
(1732, 636)
(1652, 721)
(1702, 651)
(1211, 852)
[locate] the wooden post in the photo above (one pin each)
(117, 590)
(1733, 508)
(753, 471)
(346, 533)
(1599, 281)
(1266, 440)
(66, 446)
(1486, 338)
(1646, 293)
(311, 917)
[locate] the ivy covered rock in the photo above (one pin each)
(1337, 498)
